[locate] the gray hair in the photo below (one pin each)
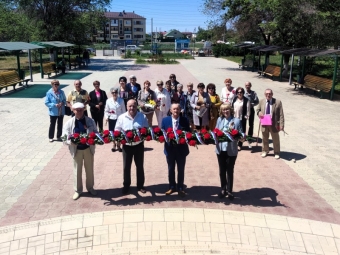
(179, 85)
(113, 89)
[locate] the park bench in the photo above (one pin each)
(77, 62)
(316, 83)
(11, 78)
(273, 71)
(247, 63)
(49, 68)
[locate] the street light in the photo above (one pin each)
(194, 38)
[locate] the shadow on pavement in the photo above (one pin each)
(291, 155)
(258, 197)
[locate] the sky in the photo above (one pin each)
(183, 15)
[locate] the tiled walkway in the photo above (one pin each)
(268, 192)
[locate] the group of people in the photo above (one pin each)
(131, 107)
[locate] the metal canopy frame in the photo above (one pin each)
(54, 44)
(17, 47)
(308, 52)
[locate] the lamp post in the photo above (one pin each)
(194, 38)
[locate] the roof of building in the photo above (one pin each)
(123, 14)
(18, 46)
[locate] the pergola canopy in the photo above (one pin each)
(53, 44)
(310, 52)
(19, 46)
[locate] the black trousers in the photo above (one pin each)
(244, 129)
(137, 153)
(175, 157)
(98, 119)
(226, 165)
(53, 120)
(251, 122)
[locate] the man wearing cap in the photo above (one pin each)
(132, 119)
(134, 86)
(81, 153)
(78, 95)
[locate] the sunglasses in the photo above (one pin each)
(159, 84)
(56, 84)
(172, 77)
(113, 92)
(239, 92)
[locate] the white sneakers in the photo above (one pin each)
(76, 195)
(264, 154)
(51, 140)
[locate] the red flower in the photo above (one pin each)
(136, 139)
(116, 133)
(148, 138)
(161, 139)
(83, 141)
(123, 141)
(106, 140)
(171, 135)
(143, 131)
(219, 133)
(181, 141)
(106, 132)
(169, 130)
(188, 135)
(92, 135)
(206, 136)
(90, 141)
(204, 131)
(163, 104)
(216, 130)
(156, 130)
(129, 134)
(75, 135)
(234, 132)
(179, 132)
(192, 142)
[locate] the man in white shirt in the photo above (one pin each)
(130, 120)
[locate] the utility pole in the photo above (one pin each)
(151, 34)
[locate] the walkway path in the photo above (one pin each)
(38, 179)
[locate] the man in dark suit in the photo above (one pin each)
(97, 103)
(273, 107)
(176, 153)
(133, 86)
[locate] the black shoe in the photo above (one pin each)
(230, 196)
(125, 190)
(113, 149)
(181, 193)
(222, 194)
(120, 149)
(142, 190)
(59, 139)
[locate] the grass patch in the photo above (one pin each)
(165, 55)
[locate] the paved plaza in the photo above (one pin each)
(286, 206)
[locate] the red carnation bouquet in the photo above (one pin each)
(83, 138)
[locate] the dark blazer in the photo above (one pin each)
(183, 102)
(183, 124)
(94, 100)
(244, 107)
(135, 95)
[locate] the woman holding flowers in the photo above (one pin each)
(200, 102)
(227, 151)
(114, 107)
(163, 102)
(55, 101)
(228, 92)
(147, 101)
(215, 105)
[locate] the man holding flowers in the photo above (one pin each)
(176, 150)
(82, 152)
(133, 148)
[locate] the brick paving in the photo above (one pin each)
(38, 179)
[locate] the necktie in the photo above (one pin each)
(268, 107)
(176, 125)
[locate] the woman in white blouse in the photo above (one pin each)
(241, 107)
(228, 92)
(163, 102)
(114, 107)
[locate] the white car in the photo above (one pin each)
(132, 48)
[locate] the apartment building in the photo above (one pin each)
(123, 26)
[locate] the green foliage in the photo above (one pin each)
(220, 50)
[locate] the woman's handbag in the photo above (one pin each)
(68, 111)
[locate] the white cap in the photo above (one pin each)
(78, 105)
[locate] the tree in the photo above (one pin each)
(65, 20)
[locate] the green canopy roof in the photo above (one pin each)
(18, 46)
(51, 44)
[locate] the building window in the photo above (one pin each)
(138, 36)
(127, 29)
(114, 36)
(127, 22)
(114, 28)
(114, 22)
(127, 36)
(138, 29)
(138, 22)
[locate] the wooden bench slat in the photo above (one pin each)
(11, 78)
(49, 68)
(315, 83)
(272, 71)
